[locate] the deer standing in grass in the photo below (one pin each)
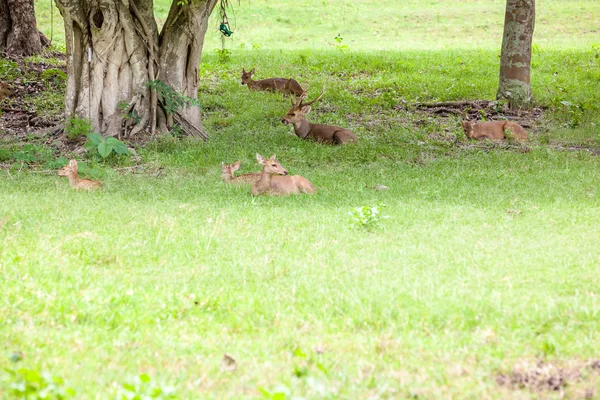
(317, 132)
(287, 86)
(76, 182)
(227, 171)
(275, 180)
(494, 130)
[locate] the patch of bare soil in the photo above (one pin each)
(551, 377)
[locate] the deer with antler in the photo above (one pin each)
(318, 132)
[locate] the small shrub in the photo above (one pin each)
(76, 127)
(99, 145)
(143, 388)
(171, 100)
(54, 76)
(367, 217)
(30, 384)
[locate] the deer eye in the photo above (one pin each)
(274, 165)
(292, 114)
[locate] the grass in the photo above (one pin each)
(489, 256)
(387, 25)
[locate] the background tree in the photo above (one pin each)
(18, 29)
(115, 49)
(515, 60)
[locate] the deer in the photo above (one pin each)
(70, 170)
(287, 86)
(494, 130)
(4, 90)
(317, 132)
(275, 181)
(227, 173)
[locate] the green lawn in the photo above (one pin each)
(488, 260)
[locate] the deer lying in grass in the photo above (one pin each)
(76, 182)
(494, 130)
(318, 132)
(287, 86)
(4, 90)
(227, 171)
(279, 185)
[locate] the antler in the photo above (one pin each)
(301, 103)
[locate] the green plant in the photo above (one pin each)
(130, 113)
(171, 100)
(143, 388)
(30, 384)
(339, 43)
(54, 76)
(367, 217)
(76, 127)
(97, 144)
(224, 55)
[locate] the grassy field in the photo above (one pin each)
(487, 264)
(385, 25)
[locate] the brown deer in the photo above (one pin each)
(287, 86)
(318, 132)
(227, 173)
(494, 130)
(4, 90)
(76, 182)
(279, 185)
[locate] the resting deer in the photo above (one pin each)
(318, 132)
(77, 183)
(4, 90)
(494, 130)
(287, 86)
(279, 185)
(227, 171)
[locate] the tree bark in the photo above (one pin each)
(515, 59)
(114, 49)
(18, 29)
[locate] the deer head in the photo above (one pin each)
(271, 166)
(299, 109)
(69, 169)
(247, 76)
(468, 127)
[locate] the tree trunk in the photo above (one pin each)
(18, 29)
(515, 60)
(114, 50)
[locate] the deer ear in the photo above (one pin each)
(252, 71)
(73, 164)
(273, 157)
(260, 159)
(306, 110)
(243, 70)
(237, 165)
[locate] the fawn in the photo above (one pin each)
(278, 184)
(318, 132)
(4, 90)
(76, 182)
(227, 171)
(494, 130)
(287, 86)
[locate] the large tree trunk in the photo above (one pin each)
(18, 29)
(515, 60)
(114, 49)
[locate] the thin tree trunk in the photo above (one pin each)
(515, 60)
(18, 29)
(114, 50)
